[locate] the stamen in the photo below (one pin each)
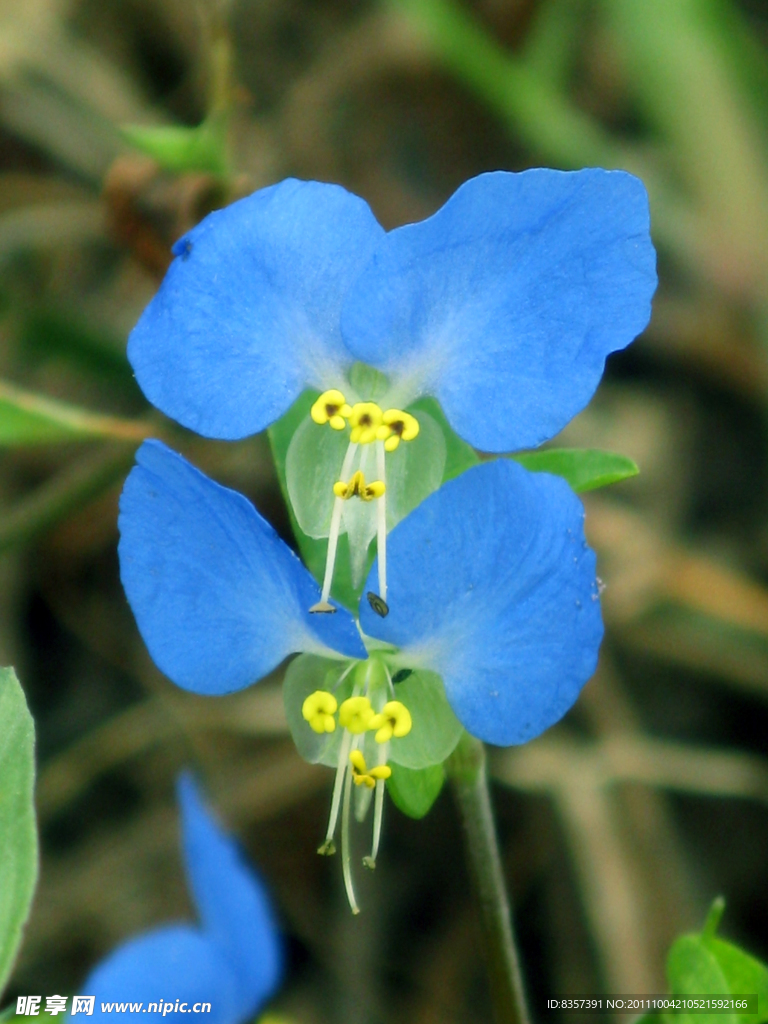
(329, 847)
(378, 814)
(394, 719)
(355, 714)
(331, 407)
(318, 709)
(357, 488)
(381, 525)
(365, 420)
(345, 864)
(361, 776)
(397, 426)
(323, 605)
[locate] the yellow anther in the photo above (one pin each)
(396, 426)
(357, 487)
(365, 420)
(394, 719)
(361, 776)
(355, 714)
(331, 407)
(318, 710)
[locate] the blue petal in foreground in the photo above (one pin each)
(507, 301)
(219, 599)
(233, 905)
(248, 313)
(491, 584)
(177, 962)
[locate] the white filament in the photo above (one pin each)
(333, 535)
(381, 512)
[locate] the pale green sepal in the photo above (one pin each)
(413, 791)
(312, 466)
(436, 729)
(179, 149)
(304, 675)
(585, 469)
(412, 472)
(18, 849)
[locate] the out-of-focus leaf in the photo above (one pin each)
(52, 334)
(18, 849)
(703, 964)
(414, 790)
(180, 149)
(29, 418)
(692, 969)
(585, 469)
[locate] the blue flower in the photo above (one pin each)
(494, 613)
(491, 585)
(503, 305)
(232, 960)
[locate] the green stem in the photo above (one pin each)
(467, 772)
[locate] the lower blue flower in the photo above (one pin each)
(491, 585)
(232, 960)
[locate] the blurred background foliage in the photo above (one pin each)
(619, 825)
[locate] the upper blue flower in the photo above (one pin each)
(503, 305)
(233, 959)
(491, 585)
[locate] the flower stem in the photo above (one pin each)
(467, 772)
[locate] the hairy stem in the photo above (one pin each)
(467, 772)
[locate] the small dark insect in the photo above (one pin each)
(402, 675)
(186, 250)
(379, 605)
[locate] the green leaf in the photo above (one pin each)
(29, 418)
(436, 729)
(18, 849)
(744, 974)
(585, 469)
(706, 964)
(414, 791)
(179, 149)
(692, 969)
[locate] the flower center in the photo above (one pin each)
(368, 425)
(358, 719)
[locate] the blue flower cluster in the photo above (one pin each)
(504, 306)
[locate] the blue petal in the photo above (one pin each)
(219, 599)
(491, 584)
(233, 904)
(248, 313)
(505, 303)
(177, 962)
